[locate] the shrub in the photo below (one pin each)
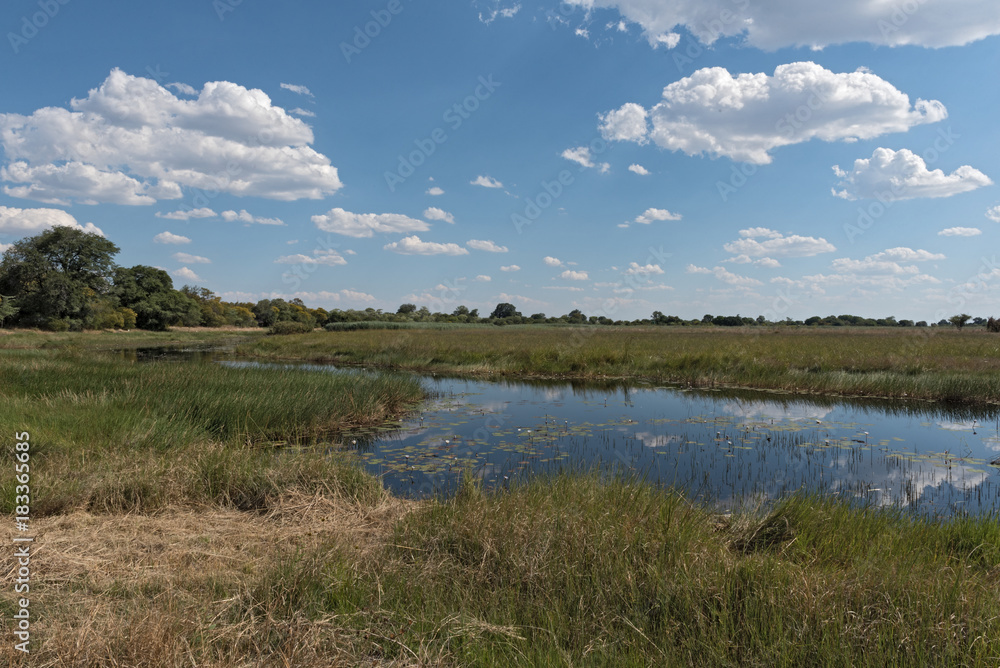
(289, 327)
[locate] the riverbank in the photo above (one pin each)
(912, 363)
(181, 518)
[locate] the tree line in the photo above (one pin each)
(66, 279)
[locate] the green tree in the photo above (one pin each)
(7, 309)
(959, 320)
(57, 274)
(504, 310)
(149, 292)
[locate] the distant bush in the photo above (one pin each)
(355, 326)
(58, 325)
(993, 325)
(289, 327)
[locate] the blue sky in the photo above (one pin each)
(617, 156)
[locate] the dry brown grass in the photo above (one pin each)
(172, 589)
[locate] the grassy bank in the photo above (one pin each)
(567, 571)
(921, 363)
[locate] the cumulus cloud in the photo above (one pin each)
(188, 214)
(760, 242)
(244, 216)
(186, 274)
(635, 269)
(487, 245)
(960, 232)
(187, 258)
(299, 111)
(170, 238)
(25, 222)
(649, 215)
(571, 275)
(898, 175)
(512, 267)
(581, 156)
(638, 169)
(132, 141)
(486, 182)
(627, 123)
(482, 278)
(359, 225)
(551, 261)
(434, 213)
(414, 246)
(812, 23)
(324, 257)
(767, 262)
(716, 113)
(994, 214)
(435, 191)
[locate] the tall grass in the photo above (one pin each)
(114, 435)
(933, 364)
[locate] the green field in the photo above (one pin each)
(915, 363)
(183, 516)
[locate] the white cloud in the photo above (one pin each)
(994, 214)
(725, 276)
(960, 232)
(582, 32)
(627, 123)
(328, 258)
(634, 269)
(24, 222)
(414, 246)
(649, 215)
(360, 225)
(183, 88)
(571, 275)
(434, 213)
(482, 278)
(187, 214)
(244, 216)
(301, 90)
(551, 261)
(132, 141)
(299, 111)
(581, 156)
(187, 258)
(767, 262)
(638, 169)
(716, 113)
(488, 246)
(435, 191)
(903, 254)
(499, 11)
(169, 238)
(897, 175)
(786, 23)
(186, 274)
(486, 182)
(512, 267)
(775, 244)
